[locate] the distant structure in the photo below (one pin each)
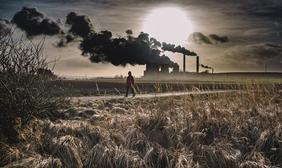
(156, 69)
(163, 69)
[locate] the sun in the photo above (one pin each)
(168, 24)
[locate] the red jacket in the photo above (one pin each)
(130, 80)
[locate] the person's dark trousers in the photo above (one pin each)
(132, 90)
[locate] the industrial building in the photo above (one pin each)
(163, 69)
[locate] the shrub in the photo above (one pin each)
(25, 93)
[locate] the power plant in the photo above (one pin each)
(156, 69)
(163, 69)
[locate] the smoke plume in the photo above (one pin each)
(200, 38)
(80, 24)
(141, 50)
(65, 40)
(34, 22)
(218, 39)
(100, 47)
(177, 49)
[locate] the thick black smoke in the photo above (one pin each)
(80, 24)
(34, 22)
(200, 38)
(141, 50)
(101, 47)
(65, 40)
(177, 49)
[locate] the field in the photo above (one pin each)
(228, 120)
(160, 84)
(238, 129)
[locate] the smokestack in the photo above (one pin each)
(184, 63)
(197, 64)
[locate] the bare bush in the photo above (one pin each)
(25, 93)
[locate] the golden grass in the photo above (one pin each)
(238, 129)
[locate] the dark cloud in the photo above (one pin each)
(263, 8)
(218, 39)
(65, 40)
(34, 22)
(177, 49)
(5, 26)
(141, 50)
(255, 54)
(274, 12)
(80, 24)
(200, 38)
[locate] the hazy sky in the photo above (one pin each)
(253, 27)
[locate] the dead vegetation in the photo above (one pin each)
(217, 131)
(25, 92)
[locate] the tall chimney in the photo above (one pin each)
(197, 64)
(184, 63)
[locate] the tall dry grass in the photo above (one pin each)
(25, 90)
(237, 129)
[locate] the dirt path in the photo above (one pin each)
(151, 95)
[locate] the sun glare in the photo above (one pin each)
(168, 24)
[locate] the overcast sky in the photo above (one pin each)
(253, 27)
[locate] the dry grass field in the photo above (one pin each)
(225, 130)
(116, 86)
(45, 123)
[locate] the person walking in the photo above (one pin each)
(130, 84)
